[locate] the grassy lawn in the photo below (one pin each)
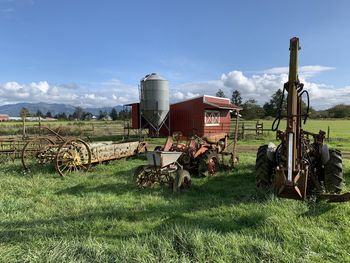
(100, 216)
(339, 132)
(339, 128)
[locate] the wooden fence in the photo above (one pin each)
(90, 129)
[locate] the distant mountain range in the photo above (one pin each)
(14, 109)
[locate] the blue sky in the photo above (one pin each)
(93, 53)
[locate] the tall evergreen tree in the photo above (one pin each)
(113, 114)
(39, 113)
(220, 94)
(251, 110)
(48, 114)
(236, 98)
(78, 113)
(273, 105)
(24, 112)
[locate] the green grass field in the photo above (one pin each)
(339, 128)
(100, 216)
(339, 132)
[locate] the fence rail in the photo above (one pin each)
(121, 129)
(83, 129)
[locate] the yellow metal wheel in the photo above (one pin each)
(73, 155)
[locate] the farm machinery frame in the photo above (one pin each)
(172, 163)
(73, 154)
(299, 168)
(203, 155)
(163, 168)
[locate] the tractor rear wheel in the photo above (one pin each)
(263, 168)
(208, 164)
(333, 172)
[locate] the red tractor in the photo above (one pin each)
(202, 155)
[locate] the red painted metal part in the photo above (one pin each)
(135, 115)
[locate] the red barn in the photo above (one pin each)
(201, 116)
(4, 117)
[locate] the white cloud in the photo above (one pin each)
(304, 71)
(111, 93)
(237, 79)
(259, 86)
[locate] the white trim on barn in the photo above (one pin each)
(212, 118)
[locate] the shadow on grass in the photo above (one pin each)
(211, 204)
(317, 208)
(228, 187)
(205, 200)
(16, 169)
(104, 222)
(83, 189)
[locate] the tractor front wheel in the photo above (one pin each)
(333, 172)
(263, 168)
(209, 164)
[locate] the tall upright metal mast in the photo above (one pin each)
(291, 178)
(293, 129)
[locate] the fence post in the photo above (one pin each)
(128, 130)
(328, 132)
(243, 131)
(24, 126)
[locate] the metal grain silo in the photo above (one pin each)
(154, 100)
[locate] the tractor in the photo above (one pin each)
(170, 164)
(302, 165)
(200, 154)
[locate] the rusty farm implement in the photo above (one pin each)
(73, 154)
(172, 163)
(10, 148)
(203, 155)
(163, 168)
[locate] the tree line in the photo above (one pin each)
(80, 114)
(252, 110)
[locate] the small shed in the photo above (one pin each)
(4, 117)
(202, 115)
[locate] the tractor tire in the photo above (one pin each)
(333, 172)
(263, 168)
(182, 180)
(208, 164)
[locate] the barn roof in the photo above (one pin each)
(224, 106)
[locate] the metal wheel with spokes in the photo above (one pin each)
(73, 155)
(143, 177)
(37, 152)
